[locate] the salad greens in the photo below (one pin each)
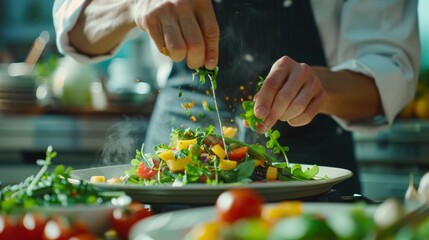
(49, 188)
(201, 156)
(195, 156)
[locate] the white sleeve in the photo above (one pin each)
(65, 15)
(380, 39)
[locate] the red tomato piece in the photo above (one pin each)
(211, 141)
(7, 227)
(238, 153)
(85, 236)
(145, 172)
(235, 204)
(62, 228)
(124, 218)
(31, 226)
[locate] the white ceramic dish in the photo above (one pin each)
(175, 225)
(96, 217)
(207, 194)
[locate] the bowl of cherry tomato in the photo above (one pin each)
(50, 206)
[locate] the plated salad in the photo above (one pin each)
(199, 156)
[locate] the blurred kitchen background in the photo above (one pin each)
(83, 111)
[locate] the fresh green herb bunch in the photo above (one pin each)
(203, 73)
(48, 188)
(253, 121)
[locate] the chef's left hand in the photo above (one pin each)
(290, 93)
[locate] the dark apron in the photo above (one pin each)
(254, 34)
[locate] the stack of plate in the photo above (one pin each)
(17, 93)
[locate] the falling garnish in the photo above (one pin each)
(206, 106)
(193, 118)
(212, 75)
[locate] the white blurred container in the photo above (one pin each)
(73, 82)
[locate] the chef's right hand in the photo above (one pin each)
(181, 29)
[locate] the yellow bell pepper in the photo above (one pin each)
(219, 151)
(207, 231)
(167, 155)
(183, 144)
(227, 164)
(179, 164)
(281, 210)
(271, 173)
(229, 131)
(259, 162)
(97, 179)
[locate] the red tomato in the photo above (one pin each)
(31, 226)
(145, 172)
(7, 228)
(235, 204)
(238, 153)
(124, 218)
(211, 141)
(85, 236)
(62, 228)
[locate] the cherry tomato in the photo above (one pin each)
(211, 141)
(84, 236)
(240, 203)
(238, 153)
(31, 226)
(7, 228)
(145, 172)
(62, 228)
(124, 218)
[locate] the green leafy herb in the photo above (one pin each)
(49, 188)
(274, 144)
(249, 114)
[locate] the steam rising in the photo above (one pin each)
(122, 141)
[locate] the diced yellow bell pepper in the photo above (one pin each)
(229, 131)
(227, 164)
(179, 164)
(207, 231)
(167, 155)
(219, 151)
(271, 173)
(183, 144)
(259, 162)
(98, 179)
(281, 210)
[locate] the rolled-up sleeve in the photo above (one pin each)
(65, 15)
(380, 39)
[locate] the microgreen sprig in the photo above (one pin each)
(274, 144)
(45, 164)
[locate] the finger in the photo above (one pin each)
(310, 112)
(272, 84)
(210, 30)
(173, 38)
(191, 32)
(152, 25)
(311, 88)
(246, 124)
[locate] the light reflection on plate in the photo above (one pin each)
(205, 194)
(175, 225)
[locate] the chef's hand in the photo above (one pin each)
(290, 93)
(181, 29)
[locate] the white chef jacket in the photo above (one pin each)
(376, 38)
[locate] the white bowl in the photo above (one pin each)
(96, 217)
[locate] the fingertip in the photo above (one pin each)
(261, 112)
(211, 64)
(245, 124)
(261, 128)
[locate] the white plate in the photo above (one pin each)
(207, 194)
(175, 225)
